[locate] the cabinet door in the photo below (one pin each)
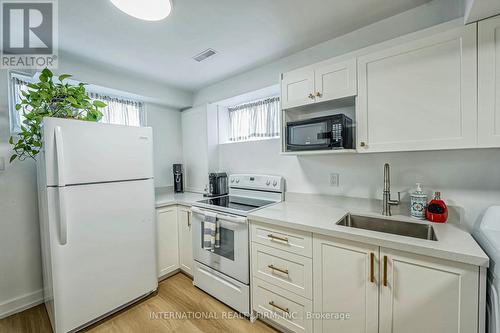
(297, 88)
(335, 80)
(420, 95)
(489, 82)
(345, 283)
(185, 240)
(167, 240)
(424, 294)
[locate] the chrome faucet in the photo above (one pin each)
(387, 202)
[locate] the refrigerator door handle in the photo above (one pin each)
(59, 156)
(63, 234)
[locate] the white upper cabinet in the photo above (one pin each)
(335, 80)
(419, 95)
(489, 83)
(297, 88)
(423, 294)
(324, 81)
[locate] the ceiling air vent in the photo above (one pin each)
(204, 55)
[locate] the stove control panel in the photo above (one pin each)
(257, 182)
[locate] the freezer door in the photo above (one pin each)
(81, 152)
(105, 256)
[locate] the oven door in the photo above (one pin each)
(232, 256)
(309, 135)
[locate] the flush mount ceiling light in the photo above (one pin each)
(149, 10)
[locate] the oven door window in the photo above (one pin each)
(308, 134)
(226, 248)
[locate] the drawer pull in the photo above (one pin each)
(281, 270)
(277, 238)
(279, 307)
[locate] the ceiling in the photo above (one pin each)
(245, 33)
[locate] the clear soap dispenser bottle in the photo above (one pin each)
(418, 203)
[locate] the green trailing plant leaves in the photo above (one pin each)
(99, 104)
(49, 99)
(64, 76)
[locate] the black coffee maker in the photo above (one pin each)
(178, 178)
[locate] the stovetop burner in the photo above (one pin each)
(233, 202)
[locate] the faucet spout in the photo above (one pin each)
(387, 201)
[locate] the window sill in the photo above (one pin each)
(255, 140)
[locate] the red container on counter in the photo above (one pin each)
(437, 211)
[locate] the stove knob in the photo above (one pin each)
(232, 180)
(275, 183)
(237, 180)
(268, 182)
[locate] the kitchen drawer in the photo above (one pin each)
(290, 240)
(283, 269)
(281, 306)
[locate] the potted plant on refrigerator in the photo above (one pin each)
(47, 98)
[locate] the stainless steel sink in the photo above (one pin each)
(408, 229)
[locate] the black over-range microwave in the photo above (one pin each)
(330, 132)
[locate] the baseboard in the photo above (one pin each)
(21, 303)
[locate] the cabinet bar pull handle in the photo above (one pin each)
(372, 267)
(385, 271)
(273, 237)
(281, 270)
(279, 307)
(189, 218)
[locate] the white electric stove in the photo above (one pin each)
(225, 273)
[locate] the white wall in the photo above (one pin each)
(195, 148)
(20, 262)
(167, 136)
(467, 178)
(421, 17)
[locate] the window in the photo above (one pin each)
(119, 110)
(254, 120)
(19, 83)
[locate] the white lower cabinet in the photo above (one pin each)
(185, 240)
(281, 306)
(391, 291)
(167, 240)
(423, 294)
(345, 286)
(174, 240)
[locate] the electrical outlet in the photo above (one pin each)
(334, 179)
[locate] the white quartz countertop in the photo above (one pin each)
(453, 242)
(165, 196)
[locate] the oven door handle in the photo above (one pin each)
(220, 216)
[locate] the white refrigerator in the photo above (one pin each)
(96, 202)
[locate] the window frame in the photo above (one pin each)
(15, 125)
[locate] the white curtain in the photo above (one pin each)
(259, 119)
(121, 111)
